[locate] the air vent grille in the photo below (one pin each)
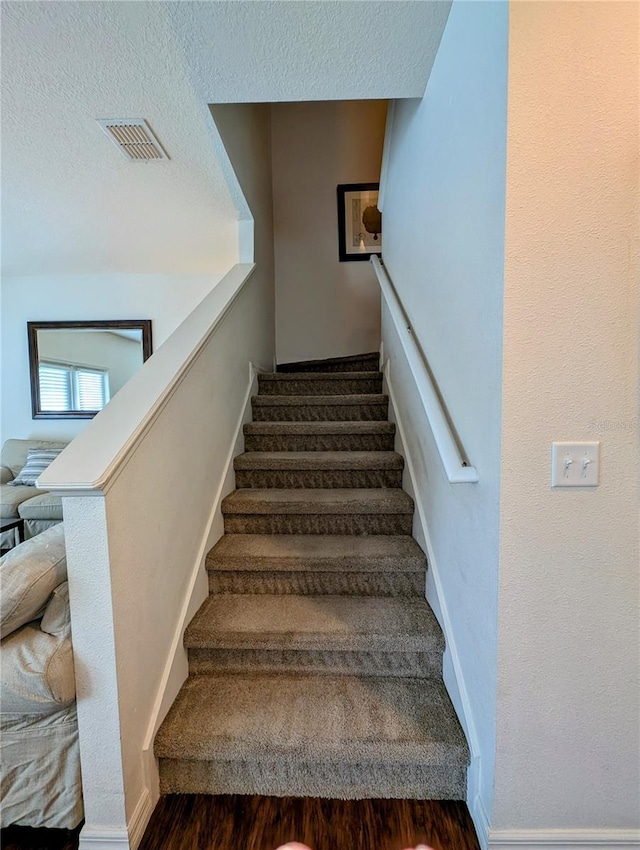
(134, 138)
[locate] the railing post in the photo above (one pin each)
(94, 646)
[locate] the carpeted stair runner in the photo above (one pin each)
(315, 665)
(315, 436)
(330, 565)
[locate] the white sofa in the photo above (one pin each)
(39, 750)
(39, 509)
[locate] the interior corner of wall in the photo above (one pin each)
(137, 823)
(246, 241)
(480, 819)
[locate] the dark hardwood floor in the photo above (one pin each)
(201, 822)
(26, 838)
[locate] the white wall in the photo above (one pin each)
(72, 203)
(324, 308)
(166, 299)
(119, 356)
(244, 130)
(443, 249)
(568, 753)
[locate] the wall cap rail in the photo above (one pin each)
(93, 460)
(456, 465)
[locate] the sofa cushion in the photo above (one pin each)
(37, 672)
(37, 461)
(11, 497)
(14, 452)
(44, 506)
(40, 783)
(28, 575)
(56, 619)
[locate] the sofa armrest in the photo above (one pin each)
(37, 672)
(5, 475)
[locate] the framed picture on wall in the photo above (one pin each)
(359, 221)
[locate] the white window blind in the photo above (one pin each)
(55, 387)
(64, 386)
(90, 389)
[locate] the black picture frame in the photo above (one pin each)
(347, 251)
(143, 325)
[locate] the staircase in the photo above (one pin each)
(316, 663)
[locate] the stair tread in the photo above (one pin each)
(322, 460)
(330, 363)
(315, 622)
(318, 427)
(380, 500)
(344, 718)
(320, 400)
(317, 552)
(318, 376)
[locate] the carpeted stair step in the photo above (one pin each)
(383, 565)
(319, 436)
(354, 363)
(318, 469)
(319, 383)
(326, 736)
(377, 511)
(374, 636)
(322, 408)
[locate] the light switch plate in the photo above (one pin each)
(575, 464)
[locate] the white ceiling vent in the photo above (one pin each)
(134, 138)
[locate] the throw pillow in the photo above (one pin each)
(28, 576)
(37, 461)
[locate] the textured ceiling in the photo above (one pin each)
(71, 203)
(270, 50)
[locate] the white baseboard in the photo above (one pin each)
(563, 839)
(140, 818)
(463, 704)
(113, 838)
(103, 838)
(480, 821)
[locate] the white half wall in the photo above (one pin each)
(324, 308)
(444, 252)
(165, 299)
(155, 465)
(568, 750)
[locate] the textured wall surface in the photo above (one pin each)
(444, 244)
(167, 299)
(325, 308)
(270, 50)
(73, 204)
(567, 727)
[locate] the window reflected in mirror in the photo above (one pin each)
(77, 367)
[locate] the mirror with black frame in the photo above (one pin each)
(77, 367)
